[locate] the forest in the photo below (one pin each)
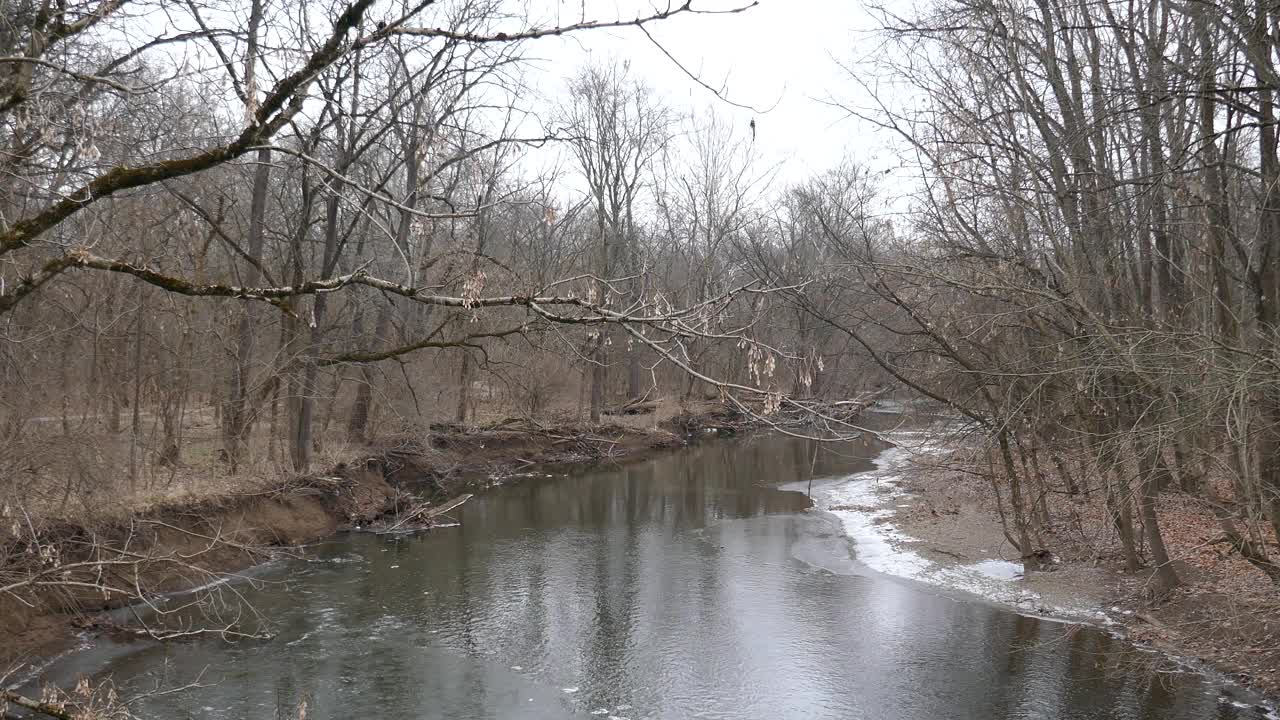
(245, 240)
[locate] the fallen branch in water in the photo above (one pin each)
(451, 505)
(87, 701)
(421, 516)
(51, 709)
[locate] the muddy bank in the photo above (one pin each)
(58, 584)
(60, 581)
(458, 458)
(1225, 619)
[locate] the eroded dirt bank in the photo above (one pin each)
(57, 586)
(72, 572)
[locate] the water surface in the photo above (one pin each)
(687, 586)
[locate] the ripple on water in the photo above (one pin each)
(595, 583)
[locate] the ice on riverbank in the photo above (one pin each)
(865, 504)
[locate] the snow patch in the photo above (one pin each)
(865, 502)
(998, 569)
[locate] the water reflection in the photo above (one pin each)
(682, 587)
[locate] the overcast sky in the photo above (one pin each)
(783, 57)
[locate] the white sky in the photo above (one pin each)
(782, 57)
(781, 54)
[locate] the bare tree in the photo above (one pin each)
(617, 129)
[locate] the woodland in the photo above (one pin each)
(243, 239)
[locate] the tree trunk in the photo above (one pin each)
(1017, 503)
(64, 381)
(464, 388)
(299, 409)
(1149, 476)
(236, 423)
(1073, 488)
(1118, 508)
(302, 439)
(358, 423)
(135, 437)
(598, 360)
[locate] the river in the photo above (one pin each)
(685, 586)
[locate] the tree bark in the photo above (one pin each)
(1149, 476)
(236, 423)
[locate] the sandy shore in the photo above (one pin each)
(915, 524)
(916, 519)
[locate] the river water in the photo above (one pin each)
(686, 586)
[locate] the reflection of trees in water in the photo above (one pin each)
(1055, 670)
(615, 588)
(1025, 666)
(713, 481)
(624, 582)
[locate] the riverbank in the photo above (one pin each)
(921, 516)
(58, 576)
(686, 585)
(62, 575)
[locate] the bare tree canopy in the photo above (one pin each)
(245, 237)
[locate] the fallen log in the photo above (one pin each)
(52, 709)
(450, 505)
(421, 517)
(633, 408)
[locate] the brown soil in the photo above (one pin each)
(1226, 615)
(251, 525)
(456, 458)
(183, 546)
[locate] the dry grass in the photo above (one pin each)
(85, 477)
(48, 476)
